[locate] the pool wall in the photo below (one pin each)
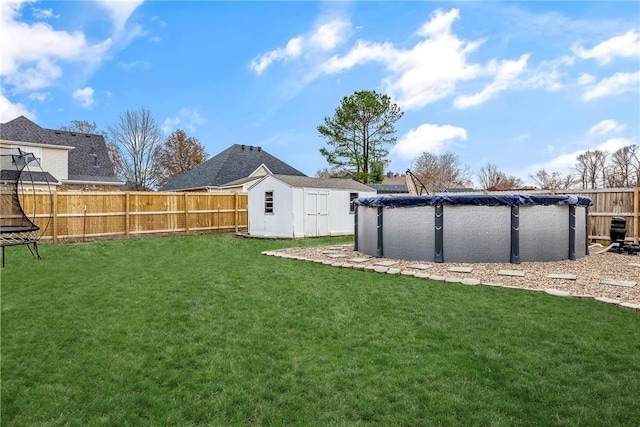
(477, 228)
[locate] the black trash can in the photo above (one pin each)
(618, 230)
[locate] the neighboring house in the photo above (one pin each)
(77, 161)
(391, 189)
(234, 169)
(298, 206)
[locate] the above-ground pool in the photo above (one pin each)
(473, 228)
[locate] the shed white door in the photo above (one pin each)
(316, 221)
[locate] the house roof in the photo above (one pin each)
(328, 183)
(88, 161)
(234, 163)
(390, 188)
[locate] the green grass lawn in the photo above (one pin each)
(204, 330)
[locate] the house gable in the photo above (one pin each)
(232, 164)
(77, 159)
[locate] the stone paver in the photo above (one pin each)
(512, 273)
(393, 271)
(633, 264)
(452, 280)
(437, 278)
(422, 276)
(408, 273)
(460, 269)
(337, 256)
(607, 300)
(470, 281)
(385, 263)
(630, 305)
(562, 276)
(557, 292)
(380, 269)
(613, 282)
(358, 260)
(327, 262)
(331, 252)
(420, 266)
(369, 268)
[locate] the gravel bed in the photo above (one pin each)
(589, 271)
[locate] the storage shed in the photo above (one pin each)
(290, 206)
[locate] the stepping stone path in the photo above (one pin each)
(512, 273)
(460, 269)
(562, 276)
(420, 266)
(385, 263)
(613, 282)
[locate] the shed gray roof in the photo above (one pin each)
(328, 183)
(236, 162)
(88, 161)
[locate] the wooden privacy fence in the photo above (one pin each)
(79, 215)
(100, 214)
(609, 203)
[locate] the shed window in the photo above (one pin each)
(268, 202)
(352, 197)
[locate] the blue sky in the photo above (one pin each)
(523, 85)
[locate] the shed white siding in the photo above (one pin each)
(301, 211)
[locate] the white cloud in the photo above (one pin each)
(605, 127)
(10, 110)
(506, 72)
(189, 118)
(31, 53)
(44, 13)
(427, 138)
(427, 72)
(624, 46)
(326, 36)
(566, 162)
(39, 96)
(292, 50)
(586, 79)
(120, 11)
(84, 96)
(617, 84)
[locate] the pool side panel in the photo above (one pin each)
(367, 222)
(544, 233)
(581, 233)
(477, 233)
(408, 233)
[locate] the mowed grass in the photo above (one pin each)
(204, 330)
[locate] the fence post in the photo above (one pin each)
(55, 216)
(636, 213)
(186, 213)
(236, 216)
(126, 214)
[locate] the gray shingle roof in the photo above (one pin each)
(89, 161)
(236, 162)
(390, 188)
(328, 183)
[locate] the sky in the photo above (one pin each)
(523, 85)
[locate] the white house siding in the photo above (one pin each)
(56, 162)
